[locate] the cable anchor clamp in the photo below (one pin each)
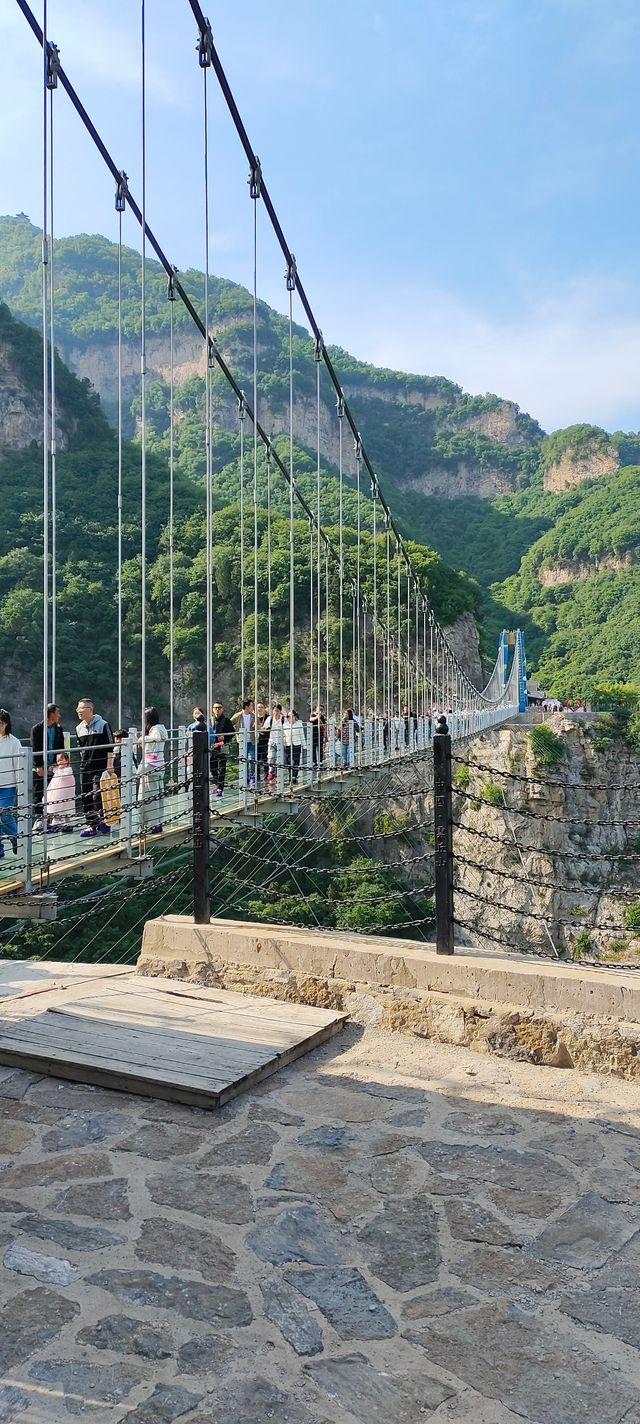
(357, 446)
(340, 407)
(255, 179)
(319, 346)
(212, 352)
(291, 274)
(53, 65)
(242, 405)
(122, 192)
(205, 46)
(171, 285)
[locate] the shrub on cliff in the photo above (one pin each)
(547, 747)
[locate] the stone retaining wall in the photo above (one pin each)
(550, 1013)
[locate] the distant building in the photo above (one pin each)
(536, 694)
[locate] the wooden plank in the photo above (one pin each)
(145, 1079)
(232, 1000)
(247, 1010)
(201, 1029)
(123, 1044)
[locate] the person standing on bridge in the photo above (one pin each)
(270, 726)
(220, 733)
(95, 740)
(55, 744)
(10, 760)
(318, 734)
(245, 720)
(294, 743)
(262, 752)
(348, 720)
(151, 769)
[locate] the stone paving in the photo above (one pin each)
(390, 1231)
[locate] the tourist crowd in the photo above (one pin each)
(272, 739)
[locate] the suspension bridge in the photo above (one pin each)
(307, 819)
(366, 646)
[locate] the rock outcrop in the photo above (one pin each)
(20, 409)
(553, 863)
(590, 463)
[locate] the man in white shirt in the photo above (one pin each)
(245, 720)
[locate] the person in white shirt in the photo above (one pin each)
(10, 762)
(294, 744)
(272, 723)
(151, 770)
(245, 720)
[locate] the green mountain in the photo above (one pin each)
(549, 526)
(86, 478)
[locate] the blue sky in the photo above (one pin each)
(459, 179)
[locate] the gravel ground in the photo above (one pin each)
(390, 1231)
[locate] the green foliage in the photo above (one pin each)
(620, 697)
(622, 721)
(386, 823)
(87, 552)
(631, 915)
(547, 747)
(582, 944)
(417, 428)
(492, 794)
(462, 777)
(574, 440)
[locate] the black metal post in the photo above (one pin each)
(201, 829)
(443, 815)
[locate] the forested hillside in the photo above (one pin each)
(87, 554)
(549, 526)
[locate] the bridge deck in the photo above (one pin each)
(114, 1028)
(68, 853)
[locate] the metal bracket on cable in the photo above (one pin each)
(205, 46)
(340, 407)
(319, 346)
(213, 352)
(242, 405)
(53, 65)
(255, 179)
(357, 445)
(122, 192)
(171, 285)
(291, 275)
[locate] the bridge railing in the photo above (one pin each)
(141, 803)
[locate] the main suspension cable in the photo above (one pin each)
(143, 386)
(204, 60)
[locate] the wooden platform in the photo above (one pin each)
(109, 1026)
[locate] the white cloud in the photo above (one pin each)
(567, 357)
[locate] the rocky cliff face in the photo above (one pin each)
(463, 639)
(20, 409)
(550, 575)
(502, 424)
(578, 465)
(574, 824)
(468, 477)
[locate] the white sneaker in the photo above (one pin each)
(38, 824)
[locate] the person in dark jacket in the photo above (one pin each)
(95, 740)
(55, 743)
(318, 734)
(221, 733)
